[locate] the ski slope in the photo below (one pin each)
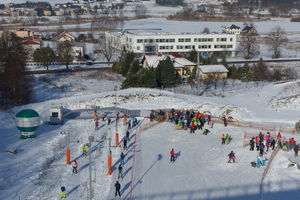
(201, 170)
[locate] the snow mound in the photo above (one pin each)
(288, 98)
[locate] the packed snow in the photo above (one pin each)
(200, 171)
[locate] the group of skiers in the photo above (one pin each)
(103, 117)
(192, 120)
(265, 142)
(225, 139)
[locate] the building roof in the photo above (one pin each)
(212, 68)
(179, 61)
(234, 27)
(66, 34)
(30, 42)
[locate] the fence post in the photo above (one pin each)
(117, 140)
(109, 172)
(68, 156)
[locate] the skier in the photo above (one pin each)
(206, 131)
(252, 144)
(225, 121)
(212, 123)
(258, 163)
(103, 117)
(261, 148)
(292, 143)
(118, 187)
(122, 158)
(208, 119)
(227, 138)
(192, 127)
(129, 125)
(74, 166)
(268, 144)
(296, 147)
(96, 125)
(127, 134)
(263, 160)
(84, 149)
(223, 138)
(125, 143)
(120, 169)
(272, 142)
(231, 157)
(172, 154)
(108, 121)
(63, 193)
(257, 143)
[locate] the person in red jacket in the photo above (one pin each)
(231, 157)
(292, 143)
(172, 153)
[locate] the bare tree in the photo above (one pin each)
(65, 53)
(140, 10)
(106, 45)
(277, 38)
(249, 46)
(206, 30)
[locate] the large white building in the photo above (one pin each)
(158, 42)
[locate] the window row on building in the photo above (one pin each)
(165, 47)
(182, 40)
(223, 46)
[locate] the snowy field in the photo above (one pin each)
(201, 171)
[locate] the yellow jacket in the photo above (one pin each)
(63, 195)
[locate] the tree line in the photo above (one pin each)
(15, 87)
(259, 72)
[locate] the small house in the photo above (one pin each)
(233, 29)
(65, 36)
(30, 47)
(212, 71)
(181, 64)
(24, 33)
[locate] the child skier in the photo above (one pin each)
(206, 131)
(63, 194)
(231, 157)
(120, 169)
(84, 149)
(223, 138)
(125, 143)
(172, 154)
(122, 158)
(74, 166)
(118, 187)
(252, 144)
(96, 125)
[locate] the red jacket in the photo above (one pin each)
(172, 153)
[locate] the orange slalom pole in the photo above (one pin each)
(109, 172)
(117, 140)
(68, 156)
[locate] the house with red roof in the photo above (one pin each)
(30, 47)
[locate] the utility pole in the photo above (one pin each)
(91, 139)
(197, 73)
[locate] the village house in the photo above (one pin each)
(65, 36)
(212, 71)
(181, 64)
(30, 46)
(233, 29)
(24, 33)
